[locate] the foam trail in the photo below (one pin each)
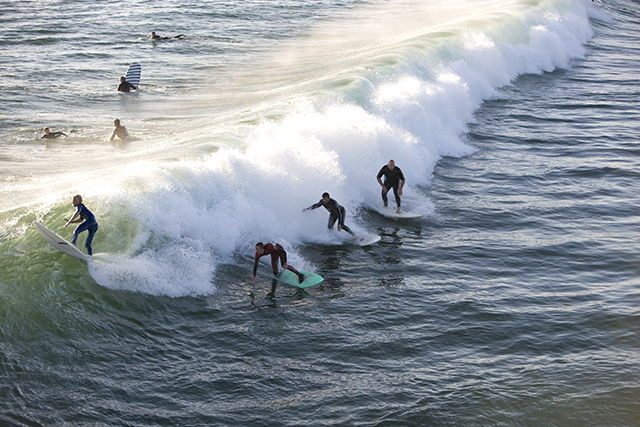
(328, 122)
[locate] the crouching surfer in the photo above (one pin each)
(336, 212)
(88, 221)
(277, 252)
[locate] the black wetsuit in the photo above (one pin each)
(126, 87)
(392, 179)
(336, 213)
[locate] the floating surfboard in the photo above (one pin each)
(60, 244)
(391, 213)
(290, 278)
(133, 74)
(364, 239)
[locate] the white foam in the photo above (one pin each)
(408, 97)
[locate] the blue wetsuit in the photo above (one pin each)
(90, 224)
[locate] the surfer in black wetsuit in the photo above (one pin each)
(277, 252)
(156, 37)
(125, 86)
(336, 212)
(393, 178)
(51, 135)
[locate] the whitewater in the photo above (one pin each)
(216, 167)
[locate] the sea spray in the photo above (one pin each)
(316, 114)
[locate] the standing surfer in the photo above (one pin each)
(276, 252)
(90, 224)
(393, 178)
(125, 86)
(336, 212)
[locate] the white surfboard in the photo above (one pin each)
(364, 239)
(133, 74)
(391, 213)
(60, 244)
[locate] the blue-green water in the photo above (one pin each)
(512, 301)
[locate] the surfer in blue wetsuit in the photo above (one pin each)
(393, 178)
(88, 221)
(336, 212)
(277, 252)
(125, 86)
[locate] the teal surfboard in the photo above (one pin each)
(290, 278)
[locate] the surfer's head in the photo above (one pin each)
(259, 248)
(116, 122)
(123, 79)
(77, 199)
(391, 165)
(326, 197)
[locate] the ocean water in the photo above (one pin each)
(513, 300)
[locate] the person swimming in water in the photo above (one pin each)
(156, 37)
(336, 212)
(51, 135)
(277, 252)
(88, 221)
(120, 131)
(125, 86)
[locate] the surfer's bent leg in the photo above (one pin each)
(395, 193)
(385, 200)
(274, 263)
(297, 273)
(332, 220)
(344, 227)
(92, 232)
(82, 227)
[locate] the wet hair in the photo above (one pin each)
(326, 195)
(260, 245)
(116, 121)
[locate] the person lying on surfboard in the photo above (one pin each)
(393, 178)
(120, 131)
(51, 135)
(276, 252)
(90, 224)
(154, 36)
(125, 86)
(336, 212)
